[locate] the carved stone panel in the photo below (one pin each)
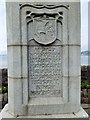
(45, 71)
(45, 55)
(45, 58)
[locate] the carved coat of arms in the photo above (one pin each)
(44, 30)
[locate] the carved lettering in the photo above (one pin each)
(45, 71)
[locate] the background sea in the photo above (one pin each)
(85, 60)
(3, 61)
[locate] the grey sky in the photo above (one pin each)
(84, 26)
(3, 37)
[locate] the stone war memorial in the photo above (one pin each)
(43, 61)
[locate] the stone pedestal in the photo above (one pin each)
(80, 115)
(43, 60)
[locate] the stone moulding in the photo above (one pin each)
(54, 20)
(41, 6)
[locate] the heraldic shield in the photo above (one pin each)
(44, 30)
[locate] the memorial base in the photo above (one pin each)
(81, 115)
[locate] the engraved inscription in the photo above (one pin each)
(45, 71)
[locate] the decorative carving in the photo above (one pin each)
(44, 26)
(44, 30)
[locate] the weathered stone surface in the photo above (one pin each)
(44, 71)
